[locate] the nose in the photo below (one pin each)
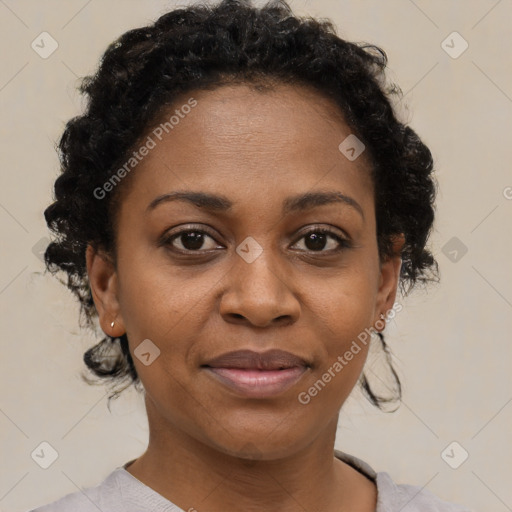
(259, 293)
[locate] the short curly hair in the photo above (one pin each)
(203, 47)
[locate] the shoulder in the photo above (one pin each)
(410, 498)
(76, 501)
(90, 499)
(403, 497)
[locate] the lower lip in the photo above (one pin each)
(258, 383)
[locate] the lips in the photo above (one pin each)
(257, 375)
(250, 360)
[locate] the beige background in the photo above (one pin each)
(452, 343)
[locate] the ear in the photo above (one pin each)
(389, 279)
(104, 287)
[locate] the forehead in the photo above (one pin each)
(240, 139)
(268, 118)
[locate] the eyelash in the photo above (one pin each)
(344, 243)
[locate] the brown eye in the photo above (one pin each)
(316, 240)
(193, 240)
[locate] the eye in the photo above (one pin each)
(191, 240)
(196, 240)
(317, 239)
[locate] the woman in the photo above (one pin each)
(238, 207)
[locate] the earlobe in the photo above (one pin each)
(103, 282)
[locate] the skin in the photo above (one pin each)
(209, 448)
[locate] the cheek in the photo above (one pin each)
(344, 304)
(169, 306)
(345, 340)
(343, 312)
(159, 299)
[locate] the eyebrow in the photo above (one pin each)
(219, 203)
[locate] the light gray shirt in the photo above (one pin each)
(122, 492)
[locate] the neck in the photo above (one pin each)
(196, 476)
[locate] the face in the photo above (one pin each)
(254, 268)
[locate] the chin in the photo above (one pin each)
(269, 444)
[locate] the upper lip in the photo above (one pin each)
(248, 359)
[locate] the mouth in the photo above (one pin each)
(257, 375)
